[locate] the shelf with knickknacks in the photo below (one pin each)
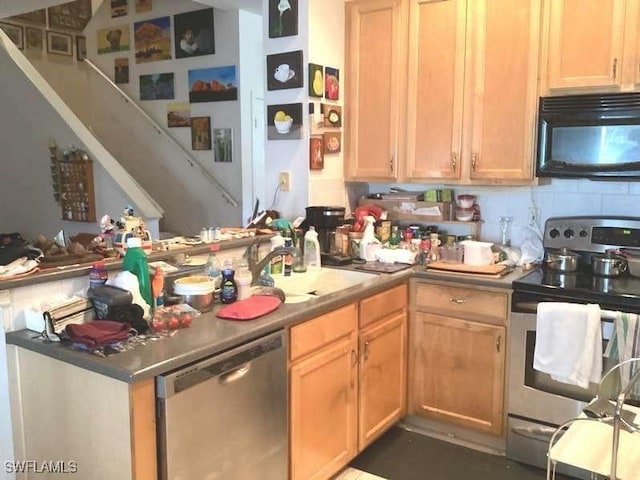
(72, 181)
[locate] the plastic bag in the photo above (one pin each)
(531, 248)
(128, 281)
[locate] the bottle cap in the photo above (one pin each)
(133, 242)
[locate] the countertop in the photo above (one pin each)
(209, 335)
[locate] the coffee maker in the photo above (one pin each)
(326, 220)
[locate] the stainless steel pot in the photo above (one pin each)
(608, 265)
(563, 260)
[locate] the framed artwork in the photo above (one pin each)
(34, 38)
(178, 114)
(332, 115)
(284, 122)
(152, 39)
(121, 70)
(81, 48)
(215, 84)
(14, 32)
(37, 16)
(332, 142)
(331, 83)
(71, 16)
(223, 145)
(193, 33)
(119, 8)
(316, 80)
(316, 152)
(143, 6)
(59, 43)
(113, 39)
(283, 18)
(157, 86)
(284, 70)
(201, 133)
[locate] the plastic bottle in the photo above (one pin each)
(299, 265)
(311, 248)
(288, 258)
(228, 288)
(277, 263)
(135, 261)
(157, 287)
(98, 274)
(369, 243)
(213, 269)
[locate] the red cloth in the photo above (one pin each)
(250, 308)
(98, 333)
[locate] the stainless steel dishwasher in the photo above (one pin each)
(226, 416)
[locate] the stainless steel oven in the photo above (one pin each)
(537, 404)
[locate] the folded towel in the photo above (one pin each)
(98, 333)
(624, 345)
(569, 342)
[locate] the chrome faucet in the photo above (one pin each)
(257, 267)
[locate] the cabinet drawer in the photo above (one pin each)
(382, 304)
(464, 302)
(321, 331)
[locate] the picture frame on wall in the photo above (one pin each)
(37, 16)
(157, 86)
(223, 145)
(73, 15)
(216, 84)
(119, 8)
(34, 38)
(152, 39)
(143, 6)
(283, 18)
(331, 83)
(284, 121)
(59, 43)
(121, 70)
(201, 133)
(113, 39)
(81, 48)
(316, 80)
(316, 152)
(193, 33)
(284, 70)
(14, 32)
(332, 142)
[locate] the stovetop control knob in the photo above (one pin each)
(569, 233)
(554, 233)
(583, 233)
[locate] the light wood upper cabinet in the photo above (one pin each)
(472, 90)
(585, 43)
(436, 81)
(375, 64)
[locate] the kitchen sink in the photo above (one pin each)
(300, 287)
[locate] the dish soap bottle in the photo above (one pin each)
(276, 267)
(311, 248)
(228, 288)
(369, 243)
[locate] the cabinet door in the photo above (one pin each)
(382, 377)
(436, 81)
(458, 372)
(502, 67)
(585, 43)
(375, 61)
(323, 406)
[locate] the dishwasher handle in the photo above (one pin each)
(227, 367)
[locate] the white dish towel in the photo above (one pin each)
(569, 342)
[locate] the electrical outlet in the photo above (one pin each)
(284, 180)
(534, 216)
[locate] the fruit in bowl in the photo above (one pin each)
(466, 201)
(464, 214)
(282, 122)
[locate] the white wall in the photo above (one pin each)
(26, 191)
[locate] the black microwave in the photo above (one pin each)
(594, 136)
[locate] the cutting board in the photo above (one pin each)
(495, 269)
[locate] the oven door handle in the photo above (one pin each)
(541, 434)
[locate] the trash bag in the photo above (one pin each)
(531, 248)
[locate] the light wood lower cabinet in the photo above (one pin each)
(347, 381)
(457, 362)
